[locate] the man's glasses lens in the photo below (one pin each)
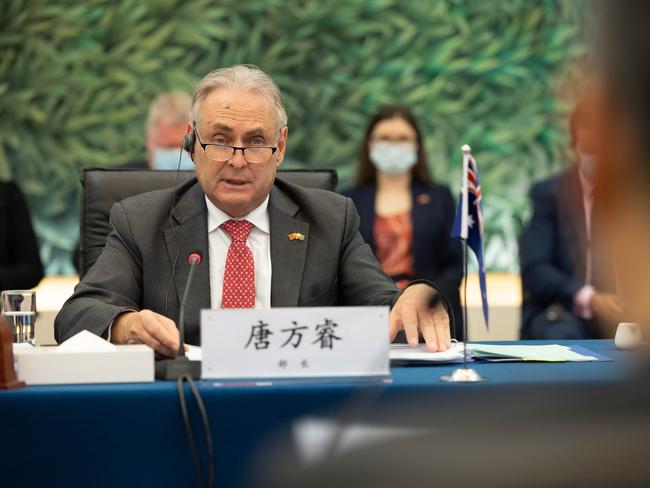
(251, 154)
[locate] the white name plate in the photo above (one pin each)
(294, 342)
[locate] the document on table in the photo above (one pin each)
(405, 354)
(193, 353)
(546, 352)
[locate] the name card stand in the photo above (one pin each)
(295, 343)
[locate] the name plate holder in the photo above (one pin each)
(295, 344)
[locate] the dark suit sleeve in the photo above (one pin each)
(23, 268)
(361, 279)
(450, 252)
(111, 286)
(541, 277)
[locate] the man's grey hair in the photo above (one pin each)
(242, 76)
(172, 107)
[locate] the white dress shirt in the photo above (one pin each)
(259, 241)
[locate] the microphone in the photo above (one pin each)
(194, 259)
(171, 369)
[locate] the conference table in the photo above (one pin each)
(133, 434)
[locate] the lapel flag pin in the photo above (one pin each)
(296, 236)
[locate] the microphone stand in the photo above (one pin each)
(181, 365)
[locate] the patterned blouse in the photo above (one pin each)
(393, 242)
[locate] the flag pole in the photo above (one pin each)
(464, 374)
(465, 332)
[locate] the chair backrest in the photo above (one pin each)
(101, 188)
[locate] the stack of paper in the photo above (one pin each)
(547, 352)
(401, 354)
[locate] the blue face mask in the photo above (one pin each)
(167, 159)
(393, 157)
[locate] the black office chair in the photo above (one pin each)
(101, 188)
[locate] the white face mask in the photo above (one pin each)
(167, 158)
(393, 157)
(588, 165)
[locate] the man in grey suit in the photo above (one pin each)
(299, 247)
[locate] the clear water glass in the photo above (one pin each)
(19, 308)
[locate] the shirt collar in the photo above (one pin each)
(259, 216)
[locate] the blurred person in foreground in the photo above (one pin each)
(569, 284)
(265, 242)
(406, 218)
(581, 434)
(622, 124)
(20, 263)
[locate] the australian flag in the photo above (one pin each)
(468, 223)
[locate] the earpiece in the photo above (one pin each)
(188, 142)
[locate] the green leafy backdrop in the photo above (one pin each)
(76, 79)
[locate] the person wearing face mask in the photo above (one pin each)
(569, 288)
(166, 126)
(405, 217)
(167, 122)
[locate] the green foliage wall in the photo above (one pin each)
(76, 79)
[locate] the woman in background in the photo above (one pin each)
(20, 264)
(405, 217)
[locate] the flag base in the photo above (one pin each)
(463, 375)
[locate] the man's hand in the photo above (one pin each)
(413, 312)
(146, 327)
(608, 311)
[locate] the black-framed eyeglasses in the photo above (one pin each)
(222, 152)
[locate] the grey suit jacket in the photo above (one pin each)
(331, 266)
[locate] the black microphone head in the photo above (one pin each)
(194, 258)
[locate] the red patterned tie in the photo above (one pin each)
(239, 277)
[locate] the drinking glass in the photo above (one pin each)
(19, 308)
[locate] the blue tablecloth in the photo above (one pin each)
(132, 434)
